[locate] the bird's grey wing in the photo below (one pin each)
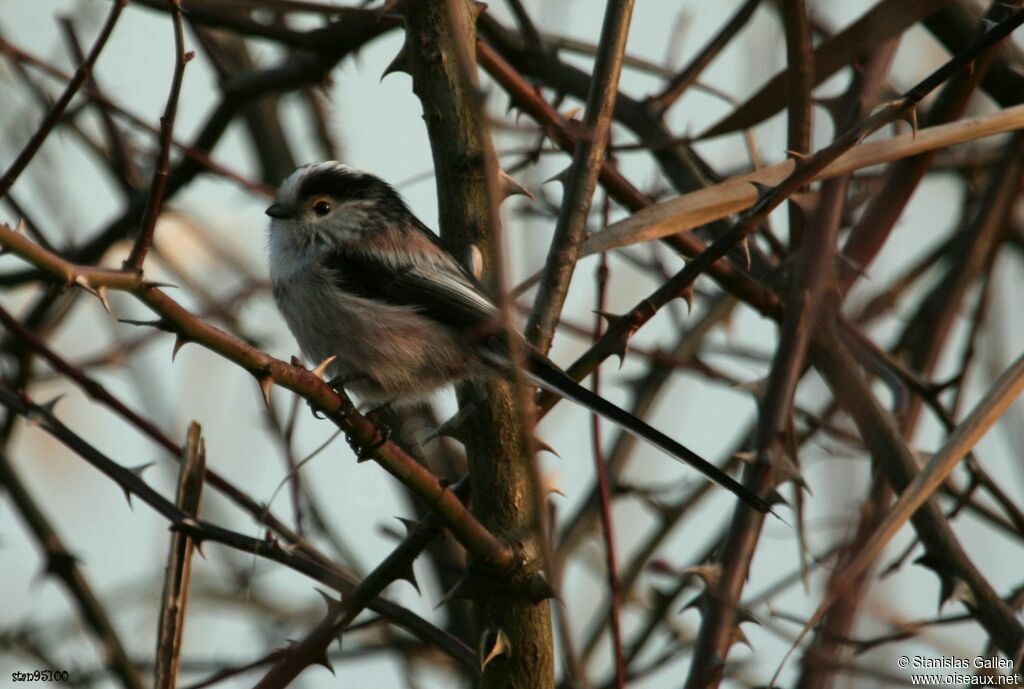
(444, 294)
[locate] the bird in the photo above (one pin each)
(359, 278)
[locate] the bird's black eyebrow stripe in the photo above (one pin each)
(339, 184)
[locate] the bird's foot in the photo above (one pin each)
(381, 434)
(338, 384)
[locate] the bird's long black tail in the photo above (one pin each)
(549, 376)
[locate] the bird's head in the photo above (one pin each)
(333, 203)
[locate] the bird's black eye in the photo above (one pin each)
(322, 207)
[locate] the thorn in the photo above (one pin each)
(744, 615)
(322, 659)
(549, 488)
(493, 644)
(83, 282)
(795, 155)
(154, 284)
(709, 573)
(407, 573)
(21, 227)
(786, 469)
(541, 446)
(988, 25)
(321, 368)
(805, 201)
(946, 571)
(833, 106)
(687, 296)
(538, 589)
(409, 524)
(59, 563)
(474, 261)
(745, 456)
(910, 117)
(330, 601)
(774, 497)
(464, 589)
(964, 593)
(739, 637)
(558, 177)
(612, 321)
(179, 342)
(49, 407)
(266, 382)
(101, 292)
(401, 63)
(510, 187)
(140, 468)
(745, 246)
(622, 346)
(159, 324)
(763, 190)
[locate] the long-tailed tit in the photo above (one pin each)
(357, 276)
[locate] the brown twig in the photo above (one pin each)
(604, 494)
(178, 576)
(678, 84)
(158, 185)
(199, 530)
(397, 565)
(61, 104)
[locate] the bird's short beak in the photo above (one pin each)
(279, 210)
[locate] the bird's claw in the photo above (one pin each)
(381, 435)
(338, 383)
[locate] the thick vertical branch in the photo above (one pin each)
(499, 455)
